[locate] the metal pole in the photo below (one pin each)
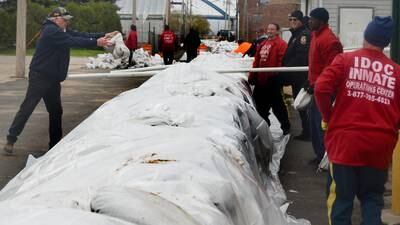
(134, 12)
(246, 20)
(21, 39)
(141, 73)
(395, 45)
(394, 50)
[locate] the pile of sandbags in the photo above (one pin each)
(220, 46)
(186, 147)
(140, 59)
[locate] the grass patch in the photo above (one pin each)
(74, 52)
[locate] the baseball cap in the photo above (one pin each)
(60, 12)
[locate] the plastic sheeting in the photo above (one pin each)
(144, 8)
(188, 141)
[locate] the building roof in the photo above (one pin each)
(144, 8)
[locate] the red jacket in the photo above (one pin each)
(324, 47)
(167, 41)
(131, 41)
(363, 122)
(269, 54)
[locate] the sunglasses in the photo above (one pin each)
(292, 19)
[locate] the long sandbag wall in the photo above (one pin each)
(186, 147)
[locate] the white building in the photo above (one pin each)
(151, 15)
(348, 18)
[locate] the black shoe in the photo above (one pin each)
(286, 132)
(8, 148)
(314, 162)
(302, 137)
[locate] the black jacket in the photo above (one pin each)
(51, 57)
(297, 51)
(192, 41)
(253, 49)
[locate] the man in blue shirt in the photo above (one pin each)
(48, 68)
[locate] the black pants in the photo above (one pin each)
(40, 87)
(191, 54)
(346, 182)
(130, 56)
(270, 96)
(168, 57)
(297, 81)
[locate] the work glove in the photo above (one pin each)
(324, 125)
(307, 87)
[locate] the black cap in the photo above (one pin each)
(60, 12)
(297, 14)
(320, 14)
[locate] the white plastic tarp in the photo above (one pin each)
(188, 142)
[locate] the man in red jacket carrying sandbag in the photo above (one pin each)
(362, 125)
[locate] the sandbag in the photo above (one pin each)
(50, 216)
(118, 48)
(302, 100)
(138, 206)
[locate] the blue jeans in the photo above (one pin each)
(317, 134)
(346, 182)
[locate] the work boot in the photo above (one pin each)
(302, 137)
(8, 148)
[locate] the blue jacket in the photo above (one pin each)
(51, 58)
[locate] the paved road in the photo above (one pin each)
(80, 98)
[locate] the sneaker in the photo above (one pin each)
(302, 137)
(8, 148)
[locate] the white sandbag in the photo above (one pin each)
(324, 164)
(189, 135)
(302, 100)
(139, 207)
(48, 216)
(119, 50)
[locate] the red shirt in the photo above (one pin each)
(269, 54)
(167, 40)
(324, 47)
(131, 41)
(363, 122)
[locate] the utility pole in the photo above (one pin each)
(134, 12)
(246, 20)
(395, 45)
(21, 39)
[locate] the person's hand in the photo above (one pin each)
(111, 34)
(103, 42)
(324, 125)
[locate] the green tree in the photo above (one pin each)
(36, 15)
(200, 24)
(197, 22)
(94, 16)
(7, 28)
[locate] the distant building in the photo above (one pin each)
(151, 15)
(348, 18)
(256, 14)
